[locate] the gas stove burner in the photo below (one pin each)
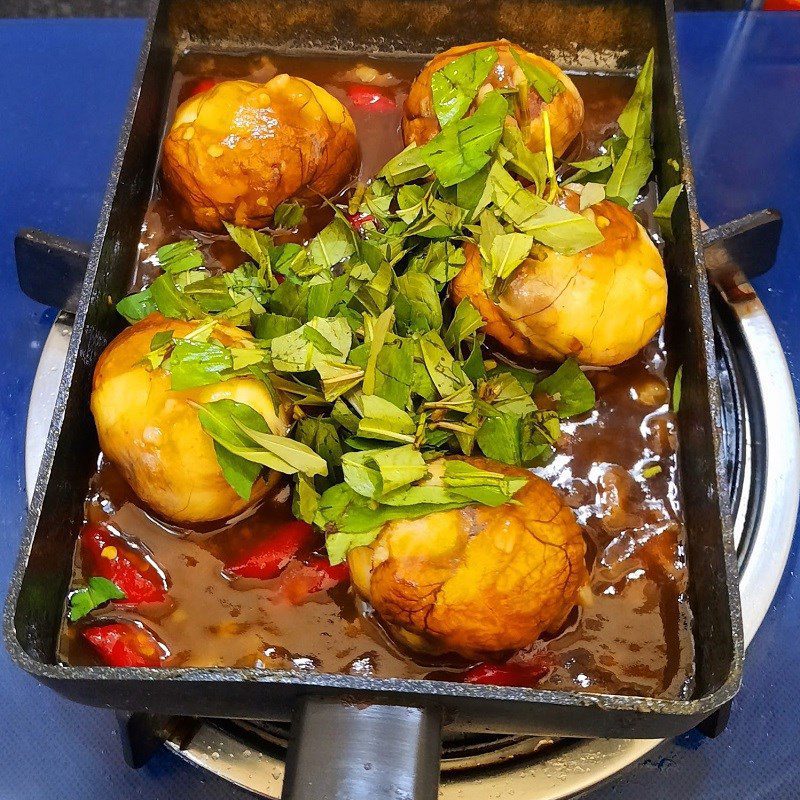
(760, 447)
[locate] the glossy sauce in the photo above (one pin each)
(634, 634)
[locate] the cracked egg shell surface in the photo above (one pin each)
(420, 124)
(239, 149)
(152, 433)
(476, 580)
(599, 306)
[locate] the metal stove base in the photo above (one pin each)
(762, 455)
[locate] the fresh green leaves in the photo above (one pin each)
(179, 257)
(455, 85)
(255, 244)
(466, 321)
(288, 215)
(549, 224)
(508, 251)
(197, 364)
(351, 518)
(97, 591)
(522, 440)
(244, 439)
(384, 421)
(634, 165)
(522, 161)
(480, 485)
(376, 473)
(408, 165)
(626, 160)
(385, 376)
(676, 390)
(417, 304)
(332, 244)
(464, 147)
(570, 389)
(547, 86)
(137, 306)
(663, 212)
(318, 341)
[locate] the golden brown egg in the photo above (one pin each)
(153, 435)
(476, 580)
(599, 306)
(565, 111)
(238, 150)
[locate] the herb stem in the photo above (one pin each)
(548, 152)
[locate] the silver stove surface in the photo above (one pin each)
(762, 463)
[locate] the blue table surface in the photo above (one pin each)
(64, 88)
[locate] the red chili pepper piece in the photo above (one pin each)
(507, 674)
(358, 221)
(124, 644)
(270, 557)
(370, 97)
(327, 574)
(107, 555)
(203, 85)
(315, 574)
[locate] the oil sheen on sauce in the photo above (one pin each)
(634, 634)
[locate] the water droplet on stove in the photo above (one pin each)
(215, 755)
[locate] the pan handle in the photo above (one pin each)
(341, 750)
(50, 269)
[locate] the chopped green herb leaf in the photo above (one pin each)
(570, 388)
(464, 147)
(383, 420)
(508, 251)
(592, 194)
(408, 165)
(549, 224)
(97, 592)
(288, 215)
(255, 244)
(663, 212)
(635, 164)
(416, 303)
(455, 85)
(245, 436)
(179, 257)
(303, 349)
(332, 244)
(197, 364)
(137, 306)
(466, 320)
(546, 84)
(171, 301)
(676, 390)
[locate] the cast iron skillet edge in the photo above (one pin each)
(371, 706)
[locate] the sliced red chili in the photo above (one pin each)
(315, 574)
(507, 674)
(270, 557)
(358, 221)
(107, 555)
(370, 97)
(203, 85)
(125, 644)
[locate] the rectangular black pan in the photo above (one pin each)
(579, 34)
